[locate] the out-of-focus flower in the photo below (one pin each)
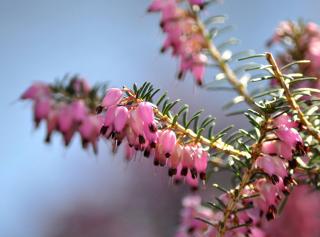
(66, 109)
(183, 36)
(301, 41)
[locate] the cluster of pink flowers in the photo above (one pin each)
(301, 41)
(65, 109)
(260, 198)
(184, 37)
(301, 211)
(136, 123)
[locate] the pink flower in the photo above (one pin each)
(196, 2)
(200, 164)
(35, 91)
(301, 212)
(167, 142)
(145, 112)
(156, 6)
(184, 36)
(313, 53)
(112, 97)
(121, 118)
(65, 119)
(285, 120)
(278, 148)
(52, 124)
(79, 110)
(272, 165)
(288, 135)
(41, 109)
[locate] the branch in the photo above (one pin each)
(292, 102)
(180, 129)
(231, 206)
(224, 66)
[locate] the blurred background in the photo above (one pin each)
(50, 191)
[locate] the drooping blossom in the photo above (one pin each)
(183, 36)
(300, 41)
(67, 109)
(136, 124)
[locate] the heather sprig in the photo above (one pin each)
(67, 106)
(279, 150)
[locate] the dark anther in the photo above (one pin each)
(146, 153)
(287, 180)
(113, 134)
(301, 149)
(167, 155)
(184, 171)
(103, 130)
(199, 82)
(156, 163)
(271, 213)
(153, 144)
(172, 171)
(274, 179)
(249, 221)
(194, 173)
(153, 128)
(142, 140)
(191, 230)
(203, 176)
(180, 75)
(136, 147)
(162, 163)
(119, 142)
(261, 213)
(194, 188)
(48, 138)
(99, 109)
(84, 142)
(286, 192)
(293, 164)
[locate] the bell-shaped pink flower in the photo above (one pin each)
(289, 136)
(145, 112)
(137, 125)
(41, 109)
(156, 6)
(112, 97)
(285, 120)
(198, 73)
(35, 91)
(278, 148)
(110, 116)
(79, 110)
(65, 119)
(200, 164)
(52, 124)
(272, 165)
(121, 118)
(129, 152)
(167, 142)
